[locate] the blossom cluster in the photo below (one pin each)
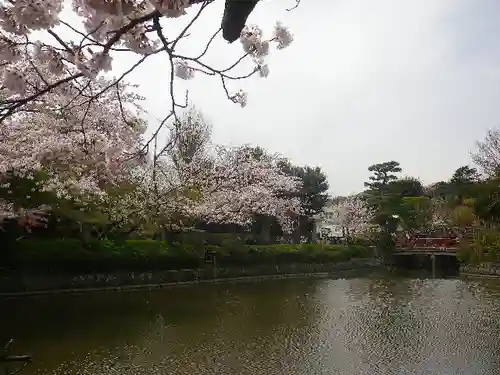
(31, 66)
(61, 113)
(82, 149)
(232, 187)
(192, 181)
(353, 214)
(441, 213)
(240, 184)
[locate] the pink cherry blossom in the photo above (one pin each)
(353, 214)
(232, 187)
(62, 113)
(218, 184)
(41, 51)
(83, 144)
(239, 185)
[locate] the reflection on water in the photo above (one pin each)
(372, 325)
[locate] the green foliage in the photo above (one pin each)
(365, 240)
(385, 242)
(415, 212)
(313, 193)
(380, 196)
(70, 256)
(396, 203)
(440, 190)
(25, 192)
(484, 247)
(406, 187)
(463, 184)
(487, 201)
(383, 174)
(192, 192)
(465, 175)
(469, 202)
(288, 253)
(463, 216)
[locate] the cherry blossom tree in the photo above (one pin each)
(190, 140)
(80, 150)
(232, 188)
(78, 156)
(62, 113)
(441, 213)
(197, 181)
(487, 153)
(353, 214)
(239, 185)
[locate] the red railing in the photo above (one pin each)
(430, 243)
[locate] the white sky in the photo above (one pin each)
(364, 82)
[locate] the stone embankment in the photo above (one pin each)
(16, 284)
(486, 270)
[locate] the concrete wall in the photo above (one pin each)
(15, 283)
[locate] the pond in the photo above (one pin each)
(361, 325)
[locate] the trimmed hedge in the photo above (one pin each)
(69, 255)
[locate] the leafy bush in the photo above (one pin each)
(69, 255)
(364, 241)
(483, 247)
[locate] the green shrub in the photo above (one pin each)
(69, 255)
(364, 241)
(483, 247)
(287, 253)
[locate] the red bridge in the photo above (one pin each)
(428, 245)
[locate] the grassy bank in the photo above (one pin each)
(73, 256)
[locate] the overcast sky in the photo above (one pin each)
(365, 81)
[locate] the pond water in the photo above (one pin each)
(363, 325)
